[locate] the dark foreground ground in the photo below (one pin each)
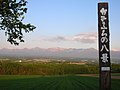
(34, 82)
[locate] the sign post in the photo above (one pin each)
(104, 48)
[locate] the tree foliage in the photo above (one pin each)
(11, 20)
(41, 68)
(50, 68)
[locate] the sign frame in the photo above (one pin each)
(104, 47)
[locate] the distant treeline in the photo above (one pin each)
(50, 68)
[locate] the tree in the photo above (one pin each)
(11, 20)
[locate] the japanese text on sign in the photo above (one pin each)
(104, 35)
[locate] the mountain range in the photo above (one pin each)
(89, 53)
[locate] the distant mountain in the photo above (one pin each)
(90, 53)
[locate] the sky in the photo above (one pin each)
(67, 24)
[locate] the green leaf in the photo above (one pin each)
(11, 17)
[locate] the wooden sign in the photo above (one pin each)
(104, 49)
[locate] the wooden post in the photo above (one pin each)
(104, 48)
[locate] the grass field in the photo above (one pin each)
(34, 82)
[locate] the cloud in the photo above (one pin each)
(59, 38)
(83, 38)
(55, 39)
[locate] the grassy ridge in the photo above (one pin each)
(35, 82)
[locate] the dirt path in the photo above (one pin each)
(96, 75)
(115, 77)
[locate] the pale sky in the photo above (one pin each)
(67, 24)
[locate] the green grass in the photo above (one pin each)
(34, 82)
